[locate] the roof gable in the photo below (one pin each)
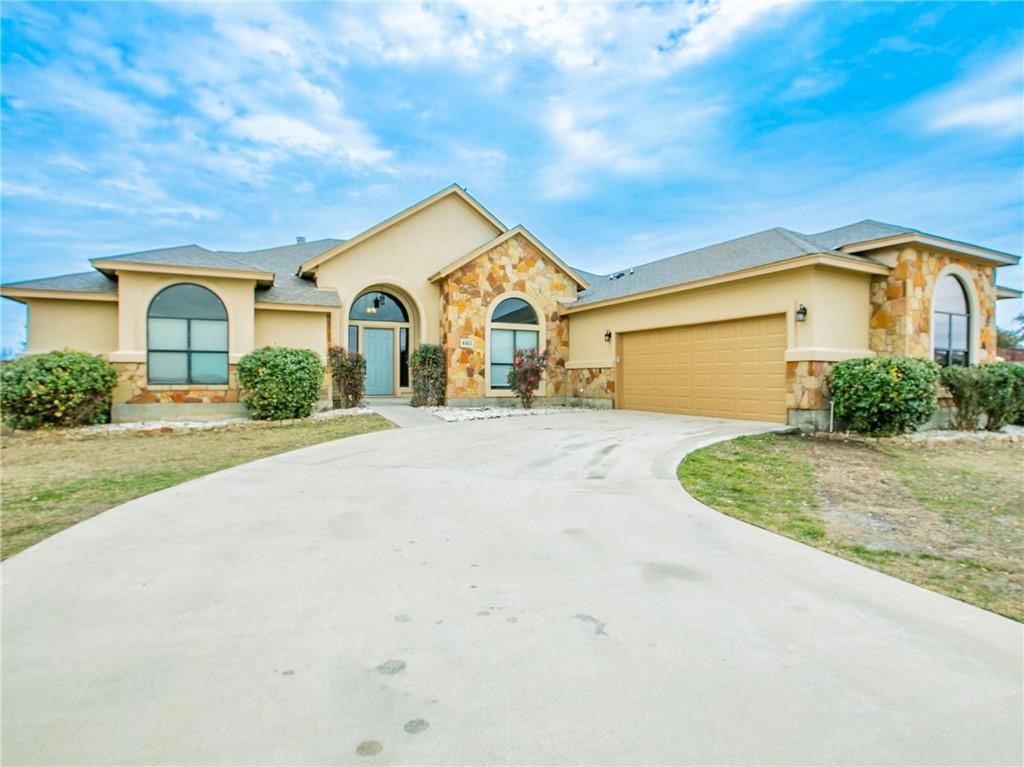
(454, 190)
(521, 231)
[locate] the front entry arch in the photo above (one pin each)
(380, 328)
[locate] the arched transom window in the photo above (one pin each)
(187, 337)
(514, 325)
(951, 322)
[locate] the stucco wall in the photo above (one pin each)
(901, 303)
(88, 326)
(300, 330)
(836, 326)
(404, 256)
(136, 290)
(513, 268)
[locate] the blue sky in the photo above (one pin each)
(616, 133)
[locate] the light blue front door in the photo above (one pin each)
(379, 346)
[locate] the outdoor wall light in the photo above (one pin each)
(801, 313)
(608, 336)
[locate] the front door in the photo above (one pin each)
(379, 350)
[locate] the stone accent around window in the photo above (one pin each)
(592, 383)
(133, 389)
(467, 294)
(901, 304)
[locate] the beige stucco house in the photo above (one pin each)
(743, 329)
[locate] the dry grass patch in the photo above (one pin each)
(53, 479)
(946, 516)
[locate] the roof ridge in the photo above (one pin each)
(150, 250)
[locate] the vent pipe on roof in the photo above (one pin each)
(299, 240)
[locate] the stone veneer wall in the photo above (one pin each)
(133, 389)
(901, 304)
(467, 295)
(592, 383)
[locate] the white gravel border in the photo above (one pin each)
(165, 426)
(459, 414)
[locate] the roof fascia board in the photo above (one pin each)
(973, 251)
(1003, 292)
(312, 263)
(491, 244)
(15, 294)
(261, 277)
(757, 271)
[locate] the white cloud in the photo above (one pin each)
(989, 99)
(813, 85)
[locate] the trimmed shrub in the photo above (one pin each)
(528, 365)
(884, 395)
(964, 387)
(348, 371)
(65, 388)
(429, 379)
(1001, 393)
(280, 382)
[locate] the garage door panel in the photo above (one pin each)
(732, 369)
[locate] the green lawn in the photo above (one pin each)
(53, 479)
(946, 516)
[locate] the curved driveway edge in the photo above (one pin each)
(526, 590)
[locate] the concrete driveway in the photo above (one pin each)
(524, 591)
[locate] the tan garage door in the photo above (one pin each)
(732, 369)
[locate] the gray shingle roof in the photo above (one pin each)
(180, 255)
(284, 263)
(862, 231)
(758, 249)
(80, 282)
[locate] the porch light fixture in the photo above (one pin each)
(608, 336)
(377, 303)
(801, 313)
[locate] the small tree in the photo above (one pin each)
(528, 366)
(426, 364)
(348, 371)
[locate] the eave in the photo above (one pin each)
(110, 268)
(22, 294)
(987, 255)
(821, 259)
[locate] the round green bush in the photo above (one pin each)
(884, 395)
(1001, 393)
(280, 382)
(65, 388)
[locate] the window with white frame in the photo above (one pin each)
(514, 326)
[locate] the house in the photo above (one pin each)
(747, 328)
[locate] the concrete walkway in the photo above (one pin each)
(519, 591)
(402, 414)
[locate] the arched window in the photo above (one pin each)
(951, 322)
(187, 328)
(514, 326)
